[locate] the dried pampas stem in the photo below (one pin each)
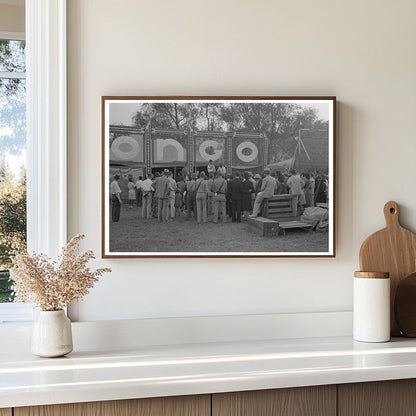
(53, 285)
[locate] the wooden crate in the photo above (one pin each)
(263, 226)
(279, 206)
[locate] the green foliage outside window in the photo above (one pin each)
(12, 223)
(12, 151)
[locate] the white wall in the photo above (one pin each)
(361, 51)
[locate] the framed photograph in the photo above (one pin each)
(218, 177)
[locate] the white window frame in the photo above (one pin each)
(14, 312)
(46, 123)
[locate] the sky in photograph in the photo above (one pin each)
(122, 113)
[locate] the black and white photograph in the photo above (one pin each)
(218, 176)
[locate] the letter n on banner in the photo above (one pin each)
(169, 147)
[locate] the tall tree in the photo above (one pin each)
(12, 213)
(231, 117)
(167, 115)
(211, 113)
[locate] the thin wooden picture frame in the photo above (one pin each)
(175, 135)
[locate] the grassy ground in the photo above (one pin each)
(133, 234)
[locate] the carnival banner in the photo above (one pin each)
(169, 149)
(210, 148)
(127, 149)
(247, 152)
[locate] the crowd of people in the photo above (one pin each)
(212, 193)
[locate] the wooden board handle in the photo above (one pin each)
(391, 214)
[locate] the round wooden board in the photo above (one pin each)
(405, 306)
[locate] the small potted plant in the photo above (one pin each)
(52, 286)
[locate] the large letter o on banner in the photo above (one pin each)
(203, 150)
(125, 148)
(247, 145)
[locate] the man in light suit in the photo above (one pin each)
(162, 195)
(219, 189)
(268, 186)
(116, 202)
(172, 191)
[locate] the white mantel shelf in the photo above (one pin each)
(151, 371)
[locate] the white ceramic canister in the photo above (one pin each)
(371, 322)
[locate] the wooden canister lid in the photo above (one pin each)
(372, 275)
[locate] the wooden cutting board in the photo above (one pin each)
(393, 250)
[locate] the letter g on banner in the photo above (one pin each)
(217, 153)
(251, 156)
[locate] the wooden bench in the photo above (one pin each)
(263, 227)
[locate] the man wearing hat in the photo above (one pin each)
(115, 193)
(162, 194)
(146, 188)
(236, 196)
(222, 169)
(219, 189)
(210, 167)
(191, 197)
(268, 186)
(296, 184)
(172, 191)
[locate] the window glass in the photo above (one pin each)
(12, 156)
(12, 56)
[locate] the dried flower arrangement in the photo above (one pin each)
(53, 285)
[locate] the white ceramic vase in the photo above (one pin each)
(52, 334)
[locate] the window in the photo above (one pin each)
(12, 165)
(12, 154)
(45, 134)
